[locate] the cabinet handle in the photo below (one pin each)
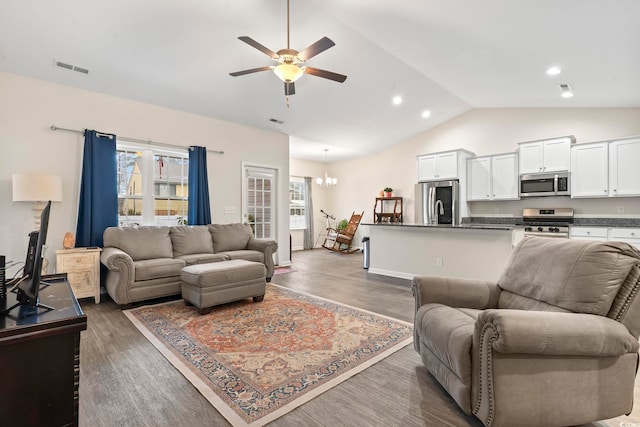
(588, 232)
(633, 234)
(605, 191)
(615, 191)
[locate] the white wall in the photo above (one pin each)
(28, 107)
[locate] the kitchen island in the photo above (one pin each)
(477, 251)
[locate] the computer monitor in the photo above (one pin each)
(29, 285)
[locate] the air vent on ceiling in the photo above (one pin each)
(71, 67)
(276, 121)
(565, 86)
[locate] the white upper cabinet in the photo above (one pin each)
(440, 166)
(493, 177)
(624, 167)
(479, 178)
(606, 169)
(549, 155)
(590, 170)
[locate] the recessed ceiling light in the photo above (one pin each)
(426, 114)
(567, 94)
(553, 71)
(397, 100)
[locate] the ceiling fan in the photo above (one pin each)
(290, 63)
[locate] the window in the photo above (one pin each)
(297, 217)
(152, 186)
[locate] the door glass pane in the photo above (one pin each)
(259, 209)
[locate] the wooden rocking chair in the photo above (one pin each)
(340, 240)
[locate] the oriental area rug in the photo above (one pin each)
(257, 361)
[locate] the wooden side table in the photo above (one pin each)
(82, 266)
(379, 214)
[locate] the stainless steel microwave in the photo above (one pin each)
(545, 184)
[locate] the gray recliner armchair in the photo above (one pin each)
(553, 343)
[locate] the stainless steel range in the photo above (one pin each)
(547, 222)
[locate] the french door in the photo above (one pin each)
(259, 200)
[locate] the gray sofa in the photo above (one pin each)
(553, 343)
(145, 262)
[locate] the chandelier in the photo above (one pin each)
(327, 181)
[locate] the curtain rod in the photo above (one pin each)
(161, 144)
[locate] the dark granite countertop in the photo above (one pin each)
(474, 226)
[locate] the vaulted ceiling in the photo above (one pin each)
(444, 56)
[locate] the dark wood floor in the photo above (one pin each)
(125, 381)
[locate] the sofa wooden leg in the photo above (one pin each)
(258, 299)
(205, 310)
(268, 279)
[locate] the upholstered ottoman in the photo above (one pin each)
(206, 285)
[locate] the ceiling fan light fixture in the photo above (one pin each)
(288, 73)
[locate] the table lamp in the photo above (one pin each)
(36, 188)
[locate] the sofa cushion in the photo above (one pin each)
(247, 255)
(576, 275)
(190, 239)
(230, 237)
(194, 259)
(148, 269)
(144, 242)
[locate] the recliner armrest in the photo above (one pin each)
(553, 333)
(455, 292)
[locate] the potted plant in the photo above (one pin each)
(342, 225)
(388, 192)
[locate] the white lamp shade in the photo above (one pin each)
(36, 188)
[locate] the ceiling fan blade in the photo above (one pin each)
(289, 89)
(316, 48)
(340, 78)
(261, 48)
(253, 70)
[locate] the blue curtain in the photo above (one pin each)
(98, 207)
(199, 206)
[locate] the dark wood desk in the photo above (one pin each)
(40, 360)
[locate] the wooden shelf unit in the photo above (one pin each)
(379, 213)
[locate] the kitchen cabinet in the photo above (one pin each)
(548, 155)
(588, 233)
(629, 235)
(441, 166)
(624, 170)
(621, 234)
(590, 170)
(606, 169)
(493, 177)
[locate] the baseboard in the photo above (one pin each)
(392, 273)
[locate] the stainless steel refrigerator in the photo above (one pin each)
(437, 202)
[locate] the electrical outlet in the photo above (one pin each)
(496, 210)
(229, 209)
(620, 209)
(439, 262)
